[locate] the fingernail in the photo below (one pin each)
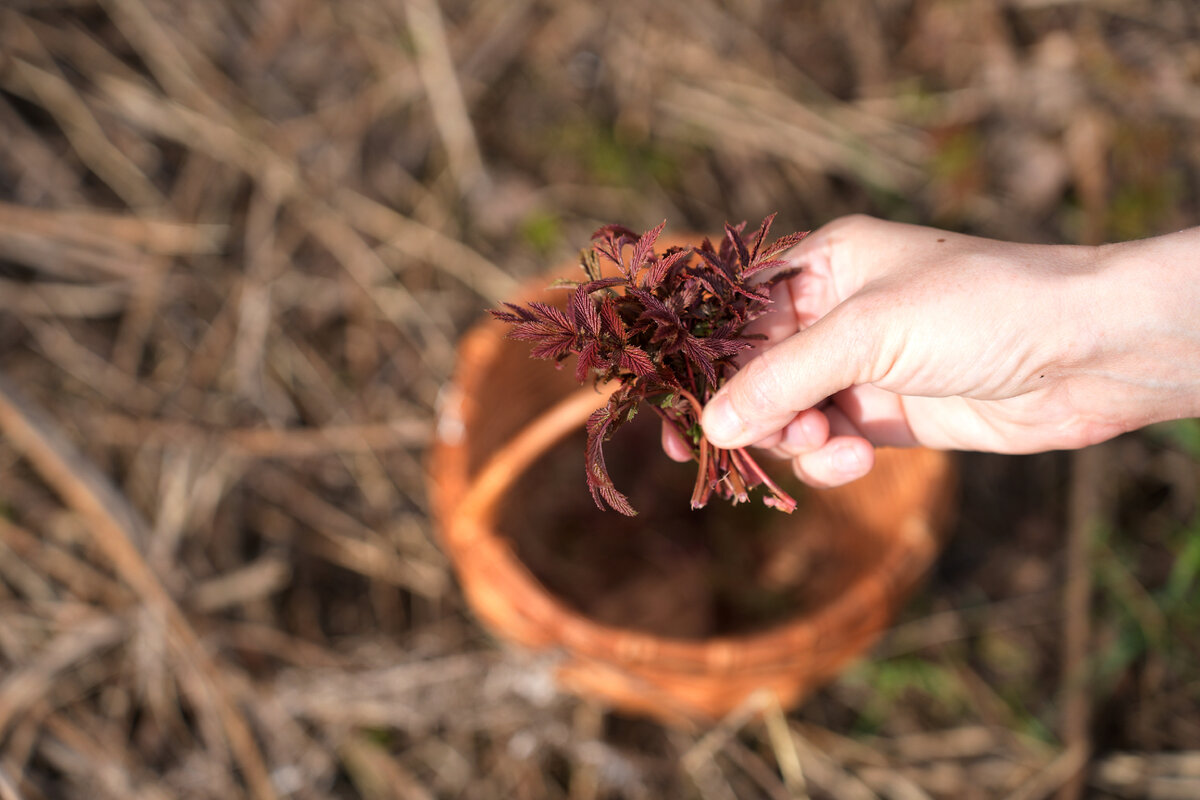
(721, 423)
(847, 460)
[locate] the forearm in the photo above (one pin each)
(1139, 356)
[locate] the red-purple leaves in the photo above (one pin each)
(600, 426)
(666, 327)
(661, 267)
(547, 327)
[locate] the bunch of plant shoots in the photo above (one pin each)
(666, 327)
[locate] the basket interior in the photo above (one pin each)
(670, 571)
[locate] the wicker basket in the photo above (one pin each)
(503, 411)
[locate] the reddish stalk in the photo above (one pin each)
(703, 484)
(779, 499)
(743, 466)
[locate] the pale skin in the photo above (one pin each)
(903, 335)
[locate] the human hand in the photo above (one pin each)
(902, 335)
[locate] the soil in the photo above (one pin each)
(671, 570)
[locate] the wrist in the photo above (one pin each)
(1137, 358)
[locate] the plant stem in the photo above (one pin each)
(737, 486)
(784, 501)
(703, 486)
(691, 398)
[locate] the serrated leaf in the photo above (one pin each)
(551, 315)
(610, 249)
(636, 361)
(584, 313)
(589, 359)
(611, 318)
(763, 265)
(553, 348)
(735, 241)
(784, 243)
(514, 314)
(644, 249)
(726, 250)
(599, 428)
(717, 266)
(760, 235)
(661, 268)
(601, 283)
(696, 353)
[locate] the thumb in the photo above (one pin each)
(799, 372)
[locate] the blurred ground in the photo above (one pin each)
(238, 241)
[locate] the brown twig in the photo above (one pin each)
(115, 526)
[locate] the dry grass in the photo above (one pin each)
(239, 240)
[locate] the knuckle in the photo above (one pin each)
(864, 318)
(858, 220)
(851, 225)
(758, 393)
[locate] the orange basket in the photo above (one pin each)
(503, 412)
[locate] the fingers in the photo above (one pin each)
(846, 456)
(826, 449)
(835, 353)
(807, 432)
(674, 445)
(841, 460)
(879, 415)
(818, 458)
